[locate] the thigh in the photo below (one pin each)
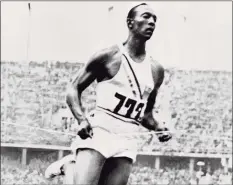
(88, 166)
(116, 171)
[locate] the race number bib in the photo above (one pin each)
(129, 107)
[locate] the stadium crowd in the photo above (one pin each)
(174, 176)
(199, 104)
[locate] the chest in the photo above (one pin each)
(135, 78)
(123, 64)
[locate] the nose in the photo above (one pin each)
(151, 21)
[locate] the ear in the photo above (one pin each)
(130, 23)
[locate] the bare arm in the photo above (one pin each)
(149, 122)
(84, 78)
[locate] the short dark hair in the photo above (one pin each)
(131, 13)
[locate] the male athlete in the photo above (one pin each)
(128, 81)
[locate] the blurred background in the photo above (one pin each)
(45, 43)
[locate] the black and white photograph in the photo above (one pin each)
(116, 92)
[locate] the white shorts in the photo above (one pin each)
(106, 138)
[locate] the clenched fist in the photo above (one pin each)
(161, 126)
(85, 130)
(151, 123)
(163, 136)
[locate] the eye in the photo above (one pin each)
(146, 16)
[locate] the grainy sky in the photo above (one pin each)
(189, 35)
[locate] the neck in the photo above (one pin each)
(135, 46)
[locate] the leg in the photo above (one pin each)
(69, 173)
(116, 171)
(54, 169)
(88, 166)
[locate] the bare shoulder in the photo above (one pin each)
(157, 72)
(105, 63)
(105, 54)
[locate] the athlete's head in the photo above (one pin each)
(141, 21)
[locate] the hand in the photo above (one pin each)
(164, 136)
(151, 123)
(85, 130)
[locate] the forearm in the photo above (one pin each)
(149, 122)
(73, 99)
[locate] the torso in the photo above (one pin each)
(124, 86)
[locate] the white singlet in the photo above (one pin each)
(121, 102)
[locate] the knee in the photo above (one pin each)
(69, 173)
(69, 167)
(84, 155)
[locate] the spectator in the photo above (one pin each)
(206, 180)
(199, 174)
(225, 178)
(193, 179)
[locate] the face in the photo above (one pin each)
(143, 24)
